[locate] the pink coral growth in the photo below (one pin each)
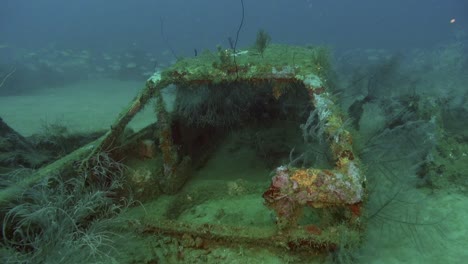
(281, 179)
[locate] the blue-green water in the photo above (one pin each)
(397, 76)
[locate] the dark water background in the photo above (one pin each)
(120, 24)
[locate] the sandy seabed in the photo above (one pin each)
(85, 106)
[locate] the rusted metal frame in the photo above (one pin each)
(176, 168)
(317, 240)
(293, 188)
(166, 144)
(110, 139)
(169, 151)
(84, 154)
(209, 235)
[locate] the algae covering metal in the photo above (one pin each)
(339, 191)
(292, 189)
(278, 62)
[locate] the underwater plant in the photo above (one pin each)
(393, 149)
(208, 106)
(225, 58)
(4, 78)
(321, 60)
(313, 128)
(166, 39)
(262, 41)
(61, 221)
